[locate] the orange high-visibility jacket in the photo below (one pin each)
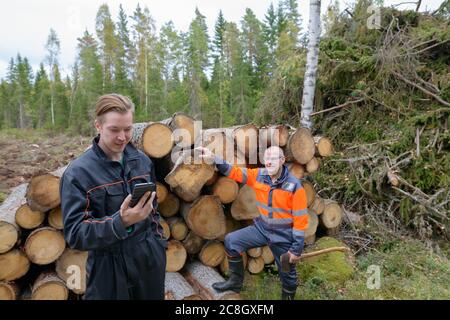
(282, 205)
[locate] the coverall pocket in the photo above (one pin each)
(114, 198)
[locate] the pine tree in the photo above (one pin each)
(53, 48)
(270, 29)
(41, 98)
(255, 49)
(123, 58)
(219, 30)
(90, 83)
(170, 55)
(197, 60)
(105, 30)
(145, 43)
(239, 98)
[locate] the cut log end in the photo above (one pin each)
(8, 291)
(43, 192)
(55, 218)
(48, 286)
(157, 140)
(176, 256)
(212, 253)
(244, 207)
(324, 147)
(255, 265)
(9, 235)
(301, 146)
(73, 262)
(13, 265)
(332, 215)
(205, 217)
(226, 189)
(44, 245)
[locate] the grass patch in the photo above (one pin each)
(409, 270)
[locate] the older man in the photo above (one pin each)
(283, 219)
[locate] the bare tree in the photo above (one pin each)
(312, 58)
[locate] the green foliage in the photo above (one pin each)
(334, 267)
(409, 270)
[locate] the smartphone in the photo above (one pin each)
(139, 190)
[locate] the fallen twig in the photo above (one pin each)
(337, 107)
(438, 98)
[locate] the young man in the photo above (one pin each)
(283, 219)
(127, 258)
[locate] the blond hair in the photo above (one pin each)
(112, 102)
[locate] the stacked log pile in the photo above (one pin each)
(199, 207)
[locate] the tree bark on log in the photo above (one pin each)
(244, 207)
(29, 219)
(202, 277)
(177, 288)
(9, 230)
(48, 286)
(13, 265)
(152, 138)
(205, 217)
(44, 245)
(73, 262)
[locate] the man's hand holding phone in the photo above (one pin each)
(133, 214)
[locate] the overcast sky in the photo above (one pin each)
(25, 24)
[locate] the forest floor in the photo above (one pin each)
(410, 268)
(25, 153)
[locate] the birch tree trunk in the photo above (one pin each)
(312, 57)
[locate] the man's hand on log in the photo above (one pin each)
(205, 154)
